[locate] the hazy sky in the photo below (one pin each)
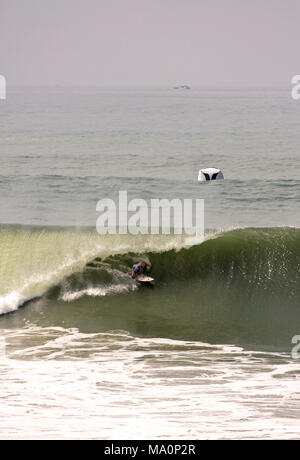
(149, 42)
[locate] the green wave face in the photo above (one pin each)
(240, 286)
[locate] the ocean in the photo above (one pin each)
(206, 353)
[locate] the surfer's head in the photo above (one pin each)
(144, 264)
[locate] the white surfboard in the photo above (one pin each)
(146, 280)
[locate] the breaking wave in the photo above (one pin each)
(238, 283)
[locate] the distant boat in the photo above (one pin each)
(182, 87)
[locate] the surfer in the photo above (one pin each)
(139, 269)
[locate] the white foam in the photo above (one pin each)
(98, 292)
(70, 385)
(11, 302)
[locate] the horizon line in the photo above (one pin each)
(171, 86)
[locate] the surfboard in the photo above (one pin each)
(145, 280)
